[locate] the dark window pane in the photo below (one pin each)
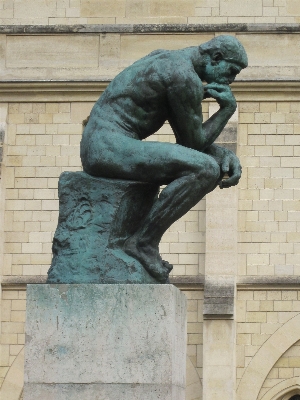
(296, 397)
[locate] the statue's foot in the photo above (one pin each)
(149, 258)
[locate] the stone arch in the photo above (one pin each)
(193, 383)
(266, 357)
(12, 386)
(283, 390)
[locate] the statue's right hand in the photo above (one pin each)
(222, 94)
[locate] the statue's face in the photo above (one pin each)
(221, 71)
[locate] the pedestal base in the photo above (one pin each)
(105, 342)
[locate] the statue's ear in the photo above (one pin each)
(217, 57)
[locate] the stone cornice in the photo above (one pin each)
(149, 28)
(182, 282)
(40, 91)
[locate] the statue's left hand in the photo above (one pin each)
(230, 165)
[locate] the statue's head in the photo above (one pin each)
(224, 57)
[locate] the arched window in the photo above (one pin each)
(296, 397)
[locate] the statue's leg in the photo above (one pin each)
(189, 176)
(175, 200)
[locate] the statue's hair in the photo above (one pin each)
(230, 48)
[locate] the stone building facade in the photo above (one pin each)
(236, 255)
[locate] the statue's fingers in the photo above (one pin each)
(225, 164)
(213, 93)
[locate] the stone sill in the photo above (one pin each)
(89, 90)
(182, 282)
(149, 28)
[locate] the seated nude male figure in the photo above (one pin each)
(166, 85)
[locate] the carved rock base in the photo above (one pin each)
(96, 217)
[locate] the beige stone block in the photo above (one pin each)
(102, 20)
(21, 338)
(45, 118)
(12, 327)
(6, 310)
(134, 47)
(102, 8)
(236, 8)
(168, 7)
(283, 305)
(248, 328)
(16, 118)
(274, 51)
(18, 316)
(269, 328)
(15, 349)
(258, 340)
(203, 11)
(80, 111)
(4, 355)
(41, 9)
(195, 338)
(244, 339)
(277, 118)
(52, 108)
(169, 19)
(136, 8)
(250, 352)
(32, 205)
(26, 193)
(289, 294)
(256, 317)
(270, 12)
(267, 107)
(283, 317)
(57, 51)
(18, 305)
(253, 305)
(272, 318)
(245, 295)
(266, 305)
(61, 118)
(285, 373)
(294, 362)
(6, 338)
(260, 295)
(3, 371)
(293, 7)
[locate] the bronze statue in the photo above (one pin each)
(166, 85)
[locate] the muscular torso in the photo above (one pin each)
(137, 102)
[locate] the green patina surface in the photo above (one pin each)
(163, 86)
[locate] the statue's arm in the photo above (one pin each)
(186, 112)
(217, 122)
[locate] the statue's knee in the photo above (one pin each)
(211, 172)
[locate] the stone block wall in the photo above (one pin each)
(235, 254)
(269, 190)
(43, 141)
(148, 12)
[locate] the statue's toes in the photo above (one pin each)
(167, 265)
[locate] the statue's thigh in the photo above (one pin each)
(119, 156)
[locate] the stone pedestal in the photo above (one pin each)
(105, 342)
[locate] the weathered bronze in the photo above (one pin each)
(165, 86)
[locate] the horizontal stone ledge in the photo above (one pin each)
(187, 282)
(265, 282)
(149, 28)
(217, 316)
(19, 282)
(87, 90)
